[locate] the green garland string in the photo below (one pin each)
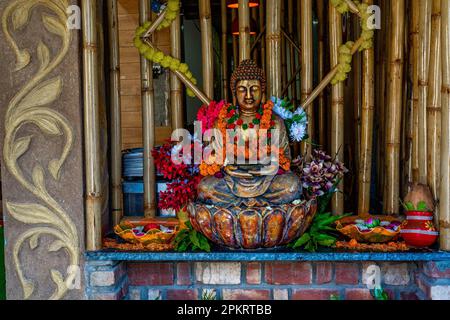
(345, 51)
(157, 56)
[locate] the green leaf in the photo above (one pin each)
(327, 243)
(422, 206)
(302, 241)
(194, 239)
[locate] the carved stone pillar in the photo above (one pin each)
(42, 164)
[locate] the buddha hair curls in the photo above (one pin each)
(247, 70)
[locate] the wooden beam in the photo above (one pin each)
(225, 88)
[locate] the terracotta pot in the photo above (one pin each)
(419, 230)
(252, 227)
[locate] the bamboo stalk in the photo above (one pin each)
(425, 7)
(444, 203)
(207, 47)
(356, 91)
(292, 62)
(415, 87)
(176, 93)
(321, 72)
(260, 37)
(434, 106)
(244, 30)
(291, 41)
(307, 64)
(115, 115)
(255, 16)
(91, 89)
(273, 41)
(235, 42)
(368, 105)
(155, 24)
(337, 105)
(148, 121)
(393, 113)
(224, 50)
(298, 39)
(324, 83)
(284, 79)
(262, 26)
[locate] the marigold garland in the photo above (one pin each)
(156, 55)
(345, 51)
(265, 123)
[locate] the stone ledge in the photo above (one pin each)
(265, 255)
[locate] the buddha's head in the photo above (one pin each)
(248, 85)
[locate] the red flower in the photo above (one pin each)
(240, 122)
(258, 116)
(231, 126)
(251, 125)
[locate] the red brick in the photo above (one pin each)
(184, 274)
(253, 273)
(313, 294)
(238, 294)
(288, 273)
(182, 294)
(150, 274)
(437, 269)
(358, 294)
(324, 272)
(347, 273)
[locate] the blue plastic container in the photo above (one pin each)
(133, 198)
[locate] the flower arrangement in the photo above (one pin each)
(228, 118)
(296, 121)
(208, 115)
(185, 178)
(320, 174)
(172, 10)
(345, 60)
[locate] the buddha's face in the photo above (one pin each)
(248, 95)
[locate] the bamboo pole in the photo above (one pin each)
(307, 64)
(444, 204)
(262, 26)
(255, 16)
(115, 115)
(273, 41)
(337, 105)
(244, 30)
(235, 42)
(284, 79)
(176, 93)
(425, 7)
(434, 106)
(91, 89)
(368, 105)
(292, 62)
(298, 39)
(415, 87)
(393, 112)
(224, 50)
(148, 121)
(207, 47)
(356, 90)
(321, 72)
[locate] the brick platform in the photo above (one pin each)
(264, 280)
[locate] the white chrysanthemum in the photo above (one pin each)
(298, 132)
(279, 110)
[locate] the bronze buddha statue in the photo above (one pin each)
(252, 185)
(250, 205)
